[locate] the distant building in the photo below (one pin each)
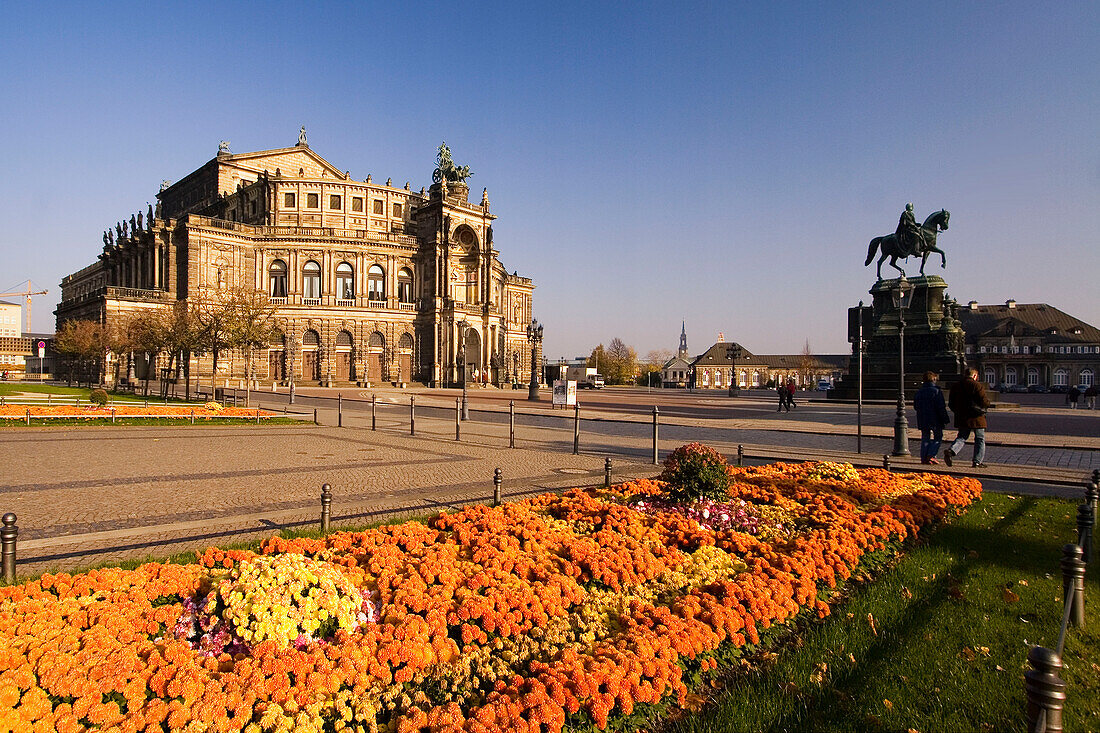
(1030, 344)
(714, 369)
(371, 280)
(676, 372)
(11, 346)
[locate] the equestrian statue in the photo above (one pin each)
(910, 240)
(445, 168)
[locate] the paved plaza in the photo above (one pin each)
(99, 494)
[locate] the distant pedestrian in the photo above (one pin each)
(1072, 396)
(969, 402)
(931, 417)
(1090, 397)
(781, 390)
(791, 387)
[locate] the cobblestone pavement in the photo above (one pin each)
(96, 494)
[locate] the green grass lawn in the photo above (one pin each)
(14, 388)
(952, 624)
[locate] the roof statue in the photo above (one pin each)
(910, 240)
(445, 168)
(302, 136)
(165, 184)
(223, 147)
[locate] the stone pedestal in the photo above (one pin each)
(934, 340)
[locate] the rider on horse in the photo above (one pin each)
(908, 233)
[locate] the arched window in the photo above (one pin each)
(276, 277)
(310, 338)
(1010, 376)
(405, 286)
(343, 339)
(1032, 376)
(311, 280)
(1061, 378)
(345, 281)
(1085, 378)
(376, 283)
(990, 376)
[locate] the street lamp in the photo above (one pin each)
(534, 337)
(733, 353)
(292, 347)
(462, 325)
(901, 293)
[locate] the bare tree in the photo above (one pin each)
(148, 332)
(806, 363)
(622, 362)
(82, 342)
(215, 316)
(185, 336)
(252, 322)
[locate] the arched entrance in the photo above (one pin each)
(311, 365)
(472, 355)
(404, 358)
(376, 347)
(344, 371)
(276, 357)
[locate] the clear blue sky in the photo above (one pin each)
(724, 164)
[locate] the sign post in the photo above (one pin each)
(41, 359)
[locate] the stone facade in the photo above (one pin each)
(371, 281)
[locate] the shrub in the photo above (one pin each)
(696, 471)
(213, 406)
(98, 397)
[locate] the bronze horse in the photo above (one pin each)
(933, 225)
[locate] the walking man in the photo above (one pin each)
(781, 390)
(931, 417)
(791, 387)
(969, 402)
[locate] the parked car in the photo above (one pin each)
(1038, 389)
(1017, 388)
(1059, 389)
(824, 385)
(1001, 387)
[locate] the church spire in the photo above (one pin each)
(682, 352)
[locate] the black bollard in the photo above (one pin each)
(740, 455)
(655, 423)
(8, 536)
(340, 410)
(886, 461)
(511, 423)
(29, 416)
(576, 428)
(113, 412)
(192, 417)
(315, 416)
(326, 507)
(458, 419)
(412, 414)
(257, 416)
(374, 411)
(497, 481)
(607, 473)
(1085, 524)
(1073, 583)
(1045, 690)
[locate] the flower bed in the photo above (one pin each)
(201, 412)
(560, 611)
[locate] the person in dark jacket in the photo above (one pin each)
(931, 417)
(1072, 396)
(969, 402)
(791, 389)
(781, 390)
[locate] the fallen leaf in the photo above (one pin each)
(1008, 596)
(693, 703)
(983, 650)
(851, 615)
(1022, 582)
(1001, 669)
(906, 593)
(956, 592)
(818, 675)
(851, 658)
(968, 654)
(888, 705)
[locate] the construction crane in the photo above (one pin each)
(27, 294)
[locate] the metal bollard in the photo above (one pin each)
(497, 481)
(315, 416)
(257, 415)
(1085, 523)
(28, 416)
(740, 455)
(113, 413)
(340, 410)
(576, 428)
(412, 414)
(78, 403)
(1073, 583)
(458, 419)
(192, 417)
(326, 507)
(886, 461)
(8, 536)
(49, 399)
(292, 393)
(374, 411)
(1045, 690)
(656, 420)
(607, 473)
(511, 423)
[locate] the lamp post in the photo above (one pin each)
(515, 369)
(292, 347)
(901, 293)
(462, 325)
(859, 380)
(733, 353)
(534, 336)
